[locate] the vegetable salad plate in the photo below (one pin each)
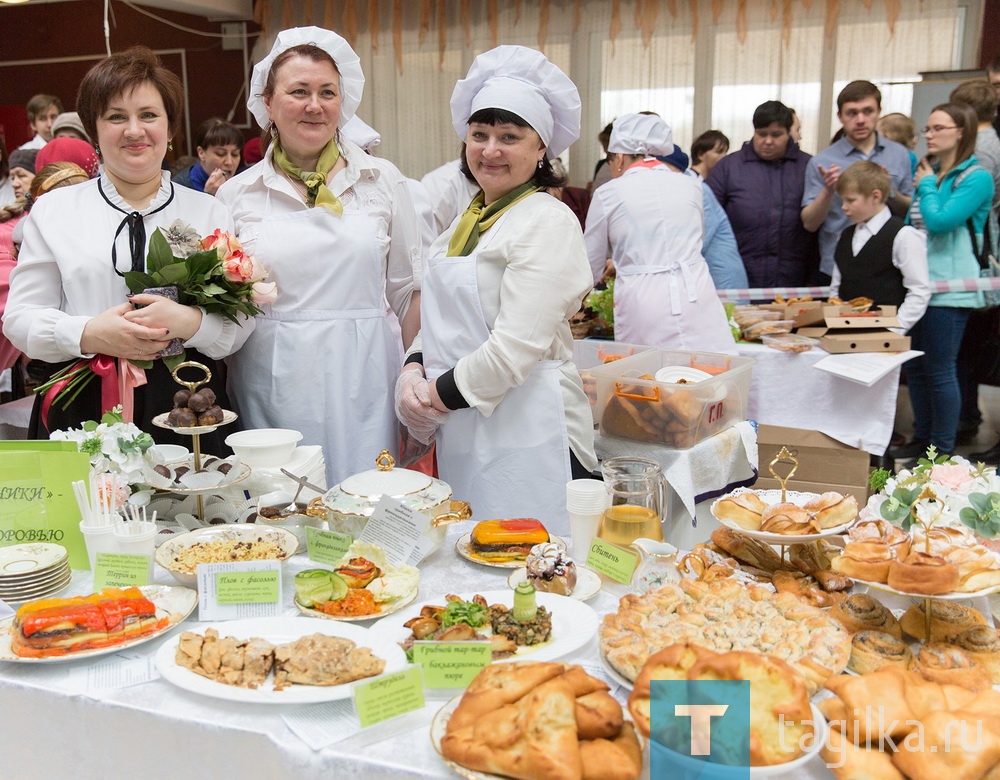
(388, 609)
(170, 601)
(277, 630)
(573, 623)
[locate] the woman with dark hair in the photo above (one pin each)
(951, 204)
(337, 230)
(218, 145)
(706, 150)
(68, 298)
(492, 373)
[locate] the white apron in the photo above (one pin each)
(514, 463)
(323, 359)
(671, 307)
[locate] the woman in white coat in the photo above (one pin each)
(68, 299)
(337, 230)
(651, 221)
(492, 371)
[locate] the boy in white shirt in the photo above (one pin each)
(878, 256)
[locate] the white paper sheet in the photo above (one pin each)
(865, 368)
(396, 529)
(209, 608)
(121, 670)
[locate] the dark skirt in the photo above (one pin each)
(152, 399)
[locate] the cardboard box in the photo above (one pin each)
(839, 330)
(789, 311)
(824, 463)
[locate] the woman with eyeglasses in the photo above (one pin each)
(951, 205)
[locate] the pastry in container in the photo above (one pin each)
(788, 342)
(759, 330)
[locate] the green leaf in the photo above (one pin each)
(172, 361)
(160, 254)
(980, 501)
(213, 290)
(969, 516)
(89, 426)
(111, 417)
(877, 480)
(137, 281)
(145, 365)
(175, 273)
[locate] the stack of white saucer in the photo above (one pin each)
(32, 571)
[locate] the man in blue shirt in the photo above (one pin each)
(859, 105)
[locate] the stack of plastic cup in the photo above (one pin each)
(98, 539)
(136, 538)
(586, 500)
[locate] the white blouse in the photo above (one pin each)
(64, 275)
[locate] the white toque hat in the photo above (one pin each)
(361, 133)
(524, 82)
(644, 134)
(352, 78)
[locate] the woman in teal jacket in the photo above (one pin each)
(952, 189)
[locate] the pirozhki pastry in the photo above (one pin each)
(549, 569)
(743, 509)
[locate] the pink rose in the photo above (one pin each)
(223, 242)
(238, 267)
(951, 476)
(264, 292)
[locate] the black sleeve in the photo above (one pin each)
(448, 391)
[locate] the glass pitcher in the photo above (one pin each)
(638, 493)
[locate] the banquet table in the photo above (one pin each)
(156, 730)
(786, 389)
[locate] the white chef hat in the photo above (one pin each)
(364, 135)
(352, 78)
(524, 82)
(644, 134)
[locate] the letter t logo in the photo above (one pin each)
(701, 724)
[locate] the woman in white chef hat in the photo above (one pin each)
(494, 373)
(651, 221)
(337, 230)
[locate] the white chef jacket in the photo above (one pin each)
(450, 192)
(909, 255)
(6, 192)
(35, 143)
(532, 278)
(375, 182)
(64, 277)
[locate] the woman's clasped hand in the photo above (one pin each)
(414, 406)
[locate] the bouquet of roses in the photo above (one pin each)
(213, 272)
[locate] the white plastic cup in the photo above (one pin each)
(136, 538)
(586, 500)
(98, 539)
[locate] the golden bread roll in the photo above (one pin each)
(500, 684)
(982, 643)
(948, 619)
(831, 581)
(864, 561)
(581, 682)
(787, 518)
(612, 759)
(804, 587)
(598, 716)
(743, 509)
(622, 417)
(671, 663)
(884, 688)
(849, 760)
(882, 532)
(685, 407)
(978, 567)
(812, 556)
(946, 664)
(871, 650)
(957, 745)
(779, 703)
(862, 612)
(943, 539)
(833, 710)
(832, 509)
(923, 573)
(747, 550)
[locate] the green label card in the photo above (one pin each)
(451, 664)
(114, 570)
(327, 546)
(389, 696)
(247, 587)
(611, 560)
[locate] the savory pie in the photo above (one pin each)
(722, 616)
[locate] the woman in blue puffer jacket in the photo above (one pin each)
(952, 189)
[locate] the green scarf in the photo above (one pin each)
(479, 218)
(317, 193)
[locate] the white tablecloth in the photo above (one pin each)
(156, 730)
(786, 390)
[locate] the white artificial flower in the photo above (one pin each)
(182, 238)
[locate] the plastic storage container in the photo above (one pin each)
(633, 405)
(789, 342)
(758, 330)
(588, 353)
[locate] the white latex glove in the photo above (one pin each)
(413, 406)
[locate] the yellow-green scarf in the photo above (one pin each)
(479, 218)
(317, 193)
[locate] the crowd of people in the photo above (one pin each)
(411, 312)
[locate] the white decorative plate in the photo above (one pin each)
(278, 631)
(614, 674)
(954, 596)
(388, 610)
(176, 603)
(231, 479)
(161, 422)
(588, 582)
(175, 545)
(773, 497)
(464, 548)
(573, 623)
(20, 559)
